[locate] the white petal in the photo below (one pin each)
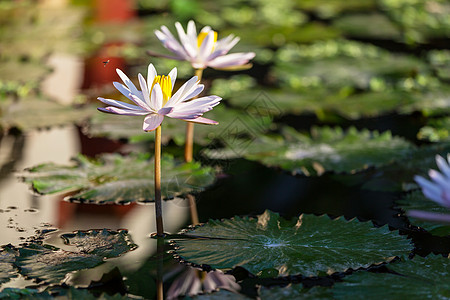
(145, 91)
(206, 47)
(173, 77)
(439, 178)
(156, 97)
(141, 103)
(443, 165)
(120, 111)
(151, 74)
(152, 121)
(165, 110)
(119, 104)
(235, 59)
(123, 89)
(185, 41)
(202, 120)
(128, 83)
(183, 91)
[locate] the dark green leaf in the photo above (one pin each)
(374, 25)
(104, 243)
(436, 130)
(7, 270)
(295, 291)
(308, 245)
(327, 149)
(119, 179)
(419, 278)
(417, 201)
(24, 294)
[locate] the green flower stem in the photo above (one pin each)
(188, 152)
(158, 204)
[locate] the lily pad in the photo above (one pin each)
(7, 270)
(328, 9)
(419, 278)
(295, 291)
(34, 113)
(436, 130)
(336, 64)
(50, 264)
(440, 61)
(104, 243)
(374, 25)
(417, 201)
(232, 122)
(325, 150)
(309, 245)
(17, 293)
(118, 179)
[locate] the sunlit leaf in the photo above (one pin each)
(119, 179)
(309, 245)
(436, 130)
(419, 278)
(375, 26)
(103, 243)
(417, 201)
(325, 150)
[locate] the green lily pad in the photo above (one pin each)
(373, 25)
(440, 61)
(50, 264)
(419, 278)
(221, 294)
(118, 179)
(7, 270)
(328, 9)
(335, 64)
(436, 130)
(421, 20)
(232, 122)
(417, 201)
(295, 291)
(309, 245)
(104, 243)
(17, 293)
(325, 150)
(33, 113)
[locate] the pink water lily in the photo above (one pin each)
(155, 100)
(202, 50)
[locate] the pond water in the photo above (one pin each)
(332, 122)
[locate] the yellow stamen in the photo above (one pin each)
(202, 35)
(166, 86)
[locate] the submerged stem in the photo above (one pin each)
(188, 148)
(158, 204)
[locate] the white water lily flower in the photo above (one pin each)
(438, 189)
(155, 100)
(202, 50)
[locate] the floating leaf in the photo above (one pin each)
(417, 201)
(104, 243)
(308, 245)
(374, 25)
(16, 293)
(7, 270)
(233, 122)
(327, 149)
(436, 130)
(51, 264)
(221, 294)
(329, 9)
(33, 113)
(337, 64)
(419, 278)
(295, 291)
(440, 61)
(119, 179)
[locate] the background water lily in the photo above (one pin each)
(202, 50)
(155, 99)
(438, 190)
